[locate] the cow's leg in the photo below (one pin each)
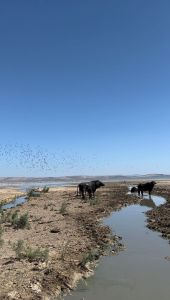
(81, 190)
(78, 191)
(83, 195)
(90, 193)
(142, 193)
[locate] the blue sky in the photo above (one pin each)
(84, 87)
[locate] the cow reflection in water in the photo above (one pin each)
(148, 202)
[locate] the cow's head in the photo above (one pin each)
(134, 189)
(98, 183)
(153, 182)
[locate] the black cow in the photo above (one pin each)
(92, 186)
(146, 187)
(134, 189)
(88, 188)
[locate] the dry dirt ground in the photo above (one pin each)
(73, 233)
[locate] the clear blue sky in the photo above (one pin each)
(84, 87)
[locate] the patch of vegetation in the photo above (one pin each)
(37, 254)
(49, 205)
(95, 201)
(45, 189)
(89, 257)
(37, 219)
(33, 193)
(20, 222)
(63, 207)
(45, 206)
(64, 250)
(19, 248)
(5, 216)
(32, 254)
(1, 240)
(1, 204)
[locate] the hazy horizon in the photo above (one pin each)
(86, 175)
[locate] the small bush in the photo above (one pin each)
(36, 254)
(20, 222)
(19, 249)
(1, 204)
(89, 257)
(64, 250)
(32, 254)
(95, 201)
(63, 208)
(45, 206)
(45, 189)
(1, 240)
(33, 193)
(5, 216)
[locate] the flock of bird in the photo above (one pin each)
(26, 157)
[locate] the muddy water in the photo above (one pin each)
(138, 273)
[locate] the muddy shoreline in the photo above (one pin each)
(159, 218)
(72, 232)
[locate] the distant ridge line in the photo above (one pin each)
(84, 177)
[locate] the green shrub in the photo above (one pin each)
(32, 254)
(95, 201)
(20, 222)
(19, 249)
(1, 205)
(89, 257)
(33, 193)
(1, 240)
(63, 207)
(64, 250)
(45, 206)
(36, 254)
(5, 216)
(45, 189)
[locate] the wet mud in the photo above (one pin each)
(159, 217)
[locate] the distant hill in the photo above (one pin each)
(17, 180)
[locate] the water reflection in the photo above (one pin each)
(148, 202)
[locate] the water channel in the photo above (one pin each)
(138, 273)
(14, 203)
